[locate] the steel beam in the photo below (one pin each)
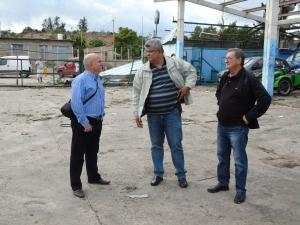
(293, 13)
(163, 0)
(259, 8)
(227, 10)
(270, 44)
(289, 21)
(180, 29)
(232, 2)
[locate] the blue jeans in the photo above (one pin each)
(161, 125)
(234, 138)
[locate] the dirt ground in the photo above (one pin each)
(34, 165)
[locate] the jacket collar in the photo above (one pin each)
(147, 66)
(240, 74)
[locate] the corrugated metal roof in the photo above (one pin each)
(170, 36)
(121, 73)
(123, 70)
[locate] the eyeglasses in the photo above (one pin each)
(228, 59)
(150, 51)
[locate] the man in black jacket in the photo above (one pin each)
(241, 99)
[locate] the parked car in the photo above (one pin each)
(285, 80)
(294, 60)
(68, 69)
(9, 65)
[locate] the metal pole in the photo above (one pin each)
(270, 44)
(17, 80)
(113, 24)
(180, 29)
(142, 50)
(22, 84)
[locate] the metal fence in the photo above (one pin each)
(22, 71)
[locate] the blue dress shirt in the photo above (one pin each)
(84, 86)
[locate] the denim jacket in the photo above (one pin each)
(181, 73)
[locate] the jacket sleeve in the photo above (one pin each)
(137, 87)
(220, 86)
(263, 100)
(188, 72)
(218, 92)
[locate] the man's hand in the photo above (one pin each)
(183, 92)
(245, 120)
(88, 128)
(139, 122)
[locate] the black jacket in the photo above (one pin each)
(241, 95)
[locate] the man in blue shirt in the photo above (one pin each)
(87, 123)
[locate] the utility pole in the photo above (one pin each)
(114, 52)
(180, 29)
(270, 44)
(156, 21)
(142, 49)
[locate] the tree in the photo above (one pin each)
(57, 25)
(210, 29)
(127, 39)
(96, 43)
(83, 25)
(197, 33)
(29, 30)
(47, 24)
(53, 24)
(230, 33)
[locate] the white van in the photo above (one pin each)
(9, 65)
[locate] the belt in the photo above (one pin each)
(97, 118)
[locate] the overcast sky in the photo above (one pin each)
(17, 14)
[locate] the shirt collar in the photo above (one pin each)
(239, 74)
(153, 67)
(91, 75)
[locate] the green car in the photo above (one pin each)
(285, 82)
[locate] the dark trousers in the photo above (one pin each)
(84, 144)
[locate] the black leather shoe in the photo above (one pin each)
(101, 182)
(218, 188)
(240, 197)
(156, 180)
(79, 193)
(183, 183)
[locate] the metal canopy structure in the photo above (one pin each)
(276, 14)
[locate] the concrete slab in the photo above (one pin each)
(34, 165)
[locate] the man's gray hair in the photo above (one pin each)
(155, 44)
(88, 59)
(239, 54)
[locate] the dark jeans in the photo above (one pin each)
(169, 125)
(84, 144)
(234, 138)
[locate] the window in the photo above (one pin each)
(260, 64)
(61, 52)
(297, 56)
(3, 62)
(43, 51)
(17, 49)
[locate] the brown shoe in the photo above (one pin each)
(183, 183)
